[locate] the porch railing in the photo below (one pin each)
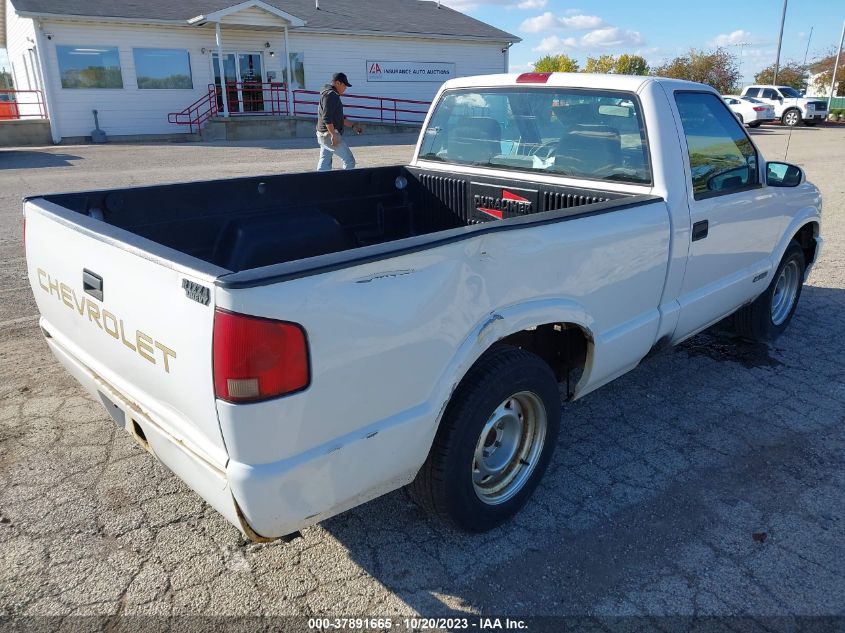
(247, 98)
(22, 104)
(363, 107)
(254, 98)
(196, 114)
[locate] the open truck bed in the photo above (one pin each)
(244, 224)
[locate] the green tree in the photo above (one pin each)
(790, 74)
(824, 68)
(602, 64)
(630, 65)
(556, 64)
(717, 68)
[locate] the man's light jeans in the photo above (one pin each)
(327, 151)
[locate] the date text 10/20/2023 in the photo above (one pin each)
(416, 624)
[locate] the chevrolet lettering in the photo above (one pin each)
(343, 334)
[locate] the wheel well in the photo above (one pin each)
(564, 346)
(806, 237)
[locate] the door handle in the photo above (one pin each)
(92, 284)
(700, 230)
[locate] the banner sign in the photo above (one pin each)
(410, 71)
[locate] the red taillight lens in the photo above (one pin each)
(759, 108)
(256, 359)
(533, 78)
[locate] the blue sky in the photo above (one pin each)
(661, 29)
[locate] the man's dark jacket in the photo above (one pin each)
(330, 110)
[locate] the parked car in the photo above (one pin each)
(790, 106)
(294, 345)
(750, 111)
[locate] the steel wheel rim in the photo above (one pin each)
(509, 447)
(791, 118)
(786, 289)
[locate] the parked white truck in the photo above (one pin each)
(790, 106)
(292, 346)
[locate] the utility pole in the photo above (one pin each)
(780, 41)
(835, 67)
(742, 46)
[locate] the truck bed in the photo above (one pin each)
(248, 223)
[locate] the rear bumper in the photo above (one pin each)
(205, 478)
(273, 500)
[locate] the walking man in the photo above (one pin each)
(330, 124)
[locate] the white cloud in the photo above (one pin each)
(549, 21)
(532, 4)
(611, 37)
(545, 22)
(596, 40)
(733, 38)
(582, 22)
(554, 44)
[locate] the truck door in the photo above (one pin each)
(734, 228)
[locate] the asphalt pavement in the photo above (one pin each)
(709, 481)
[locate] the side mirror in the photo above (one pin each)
(783, 175)
(780, 99)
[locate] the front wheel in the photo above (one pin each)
(791, 118)
(767, 316)
(494, 443)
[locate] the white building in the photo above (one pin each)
(137, 62)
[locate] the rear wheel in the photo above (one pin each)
(791, 117)
(494, 443)
(740, 119)
(768, 316)
(754, 124)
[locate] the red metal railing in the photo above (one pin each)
(254, 98)
(245, 98)
(248, 98)
(363, 107)
(198, 112)
(22, 104)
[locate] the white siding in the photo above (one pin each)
(254, 17)
(20, 38)
(130, 111)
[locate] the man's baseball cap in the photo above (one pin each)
(341, 77)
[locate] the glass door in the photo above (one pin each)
(231, 71)
(244, 77)
(251, 78)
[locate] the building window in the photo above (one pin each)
(89, 67)
(163, 69)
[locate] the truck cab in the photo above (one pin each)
(791, 107)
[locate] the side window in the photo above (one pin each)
(722, 158)
(768, 93)
(752, 92)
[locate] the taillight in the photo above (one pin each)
(257, 359)
(533, 78)
(759, 108)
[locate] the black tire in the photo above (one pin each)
(754, 124)
(765, 319)
(740, 119)
(446, 485)
(791, 117)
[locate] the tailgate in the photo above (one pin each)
(128, 316)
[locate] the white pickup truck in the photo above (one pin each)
(790, 107)
(294, 345)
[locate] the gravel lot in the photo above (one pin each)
(709, 481)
